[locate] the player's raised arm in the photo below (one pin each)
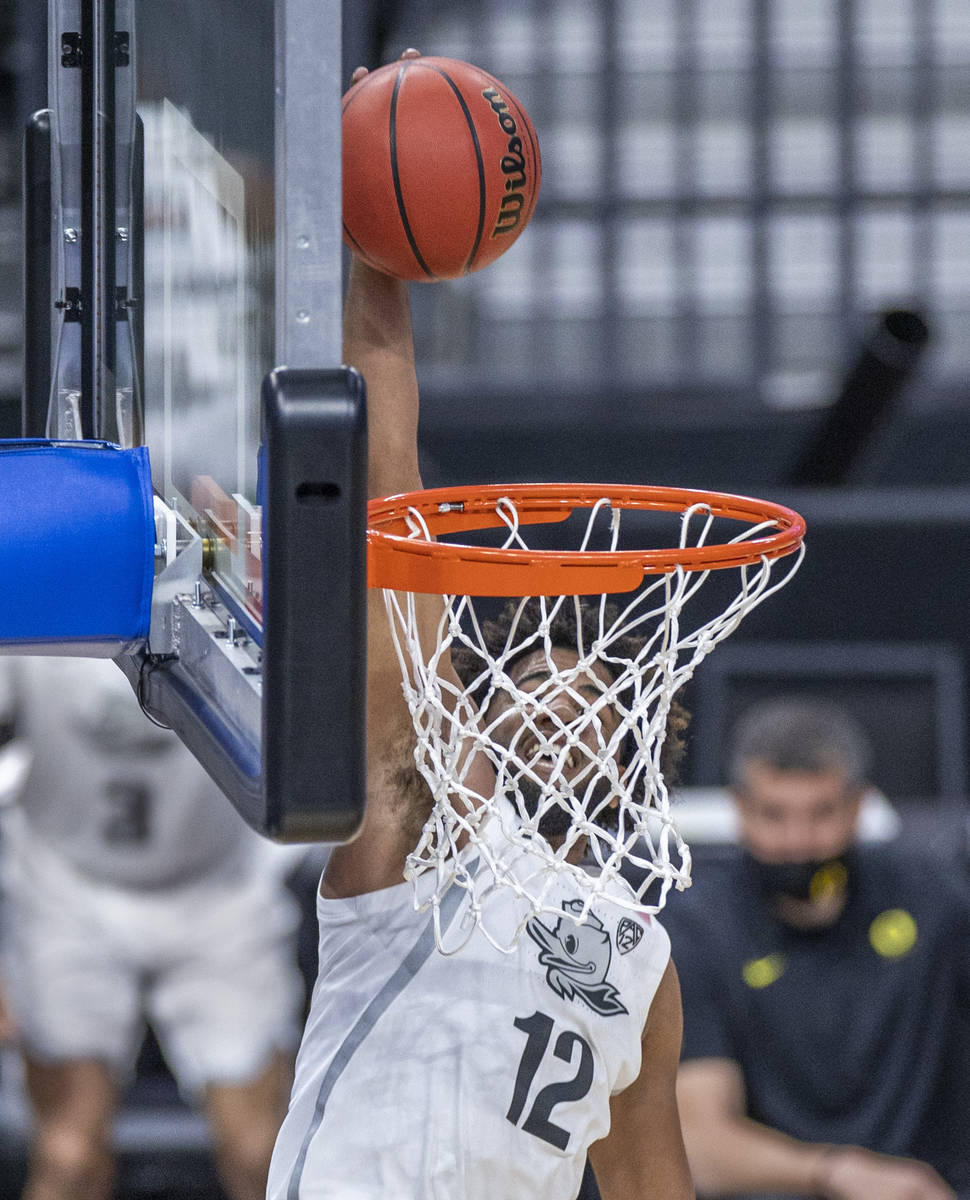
(378, 343)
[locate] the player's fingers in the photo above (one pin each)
(360, 72)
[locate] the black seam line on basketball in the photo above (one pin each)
(478, 158)
(359, 250)
(349, 98)
(357, 246)
(401, 211)
(362, 253)
(413, 961)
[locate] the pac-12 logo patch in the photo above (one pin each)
(628, 935)
(577, 958)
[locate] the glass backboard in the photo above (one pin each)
(193, 303)
(209, 261)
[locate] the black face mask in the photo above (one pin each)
(811, 880)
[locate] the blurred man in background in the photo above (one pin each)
(823, 981)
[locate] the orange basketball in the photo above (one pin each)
(441, 168)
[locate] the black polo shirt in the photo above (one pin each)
(846, 1035)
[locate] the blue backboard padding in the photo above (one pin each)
(77, 542)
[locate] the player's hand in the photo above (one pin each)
(851, 1173)
(360, 72)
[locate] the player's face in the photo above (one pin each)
(796, 816)
(550, 713)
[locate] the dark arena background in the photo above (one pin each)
(748, 270)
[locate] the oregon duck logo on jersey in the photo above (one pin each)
(577, 959)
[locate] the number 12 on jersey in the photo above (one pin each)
(539, 1029)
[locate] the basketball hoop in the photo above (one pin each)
(584, 758)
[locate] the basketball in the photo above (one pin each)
(441, 168)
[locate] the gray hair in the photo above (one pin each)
(797, 733)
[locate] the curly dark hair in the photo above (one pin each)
(564, 634)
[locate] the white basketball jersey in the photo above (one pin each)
(470, 1076)
(119, 797)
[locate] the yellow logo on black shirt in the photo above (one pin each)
(762, 972)
(829, 880)
(893, 933)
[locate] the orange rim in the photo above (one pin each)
(412, 564)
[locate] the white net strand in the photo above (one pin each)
(550, 747)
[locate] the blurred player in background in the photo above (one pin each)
(133, 891)
(823, 980)
(481, 1074)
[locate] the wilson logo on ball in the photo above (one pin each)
(513, 166)
(436, 183)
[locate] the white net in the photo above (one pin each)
(544, 746)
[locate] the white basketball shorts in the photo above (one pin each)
(211, 963)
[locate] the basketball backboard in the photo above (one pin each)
(185, 291)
